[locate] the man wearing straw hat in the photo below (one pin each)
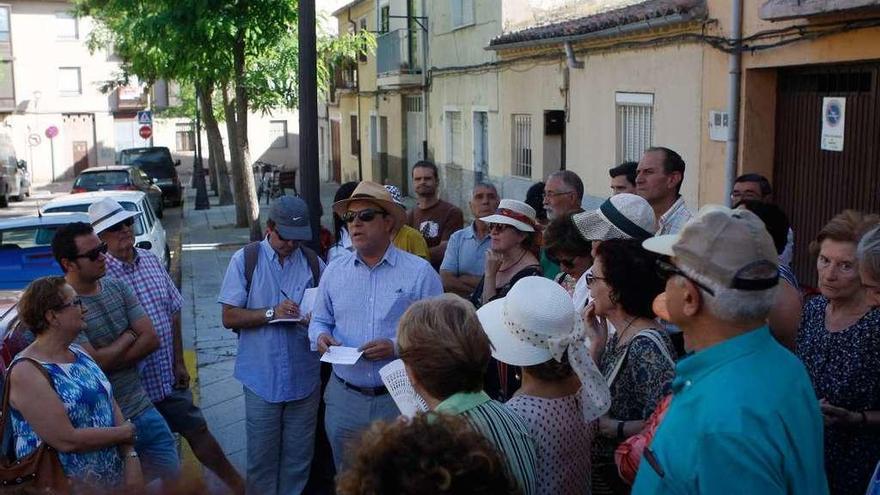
(361, 297)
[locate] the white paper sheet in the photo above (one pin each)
(285, 320)
(405, 397)
(337, 354)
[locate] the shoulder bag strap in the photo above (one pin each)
(314, 265)
(8, 385)
(251, 257)
(651, 334)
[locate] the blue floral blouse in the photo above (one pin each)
(88, 400)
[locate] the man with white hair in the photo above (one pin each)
(743, 416)
(869, 264)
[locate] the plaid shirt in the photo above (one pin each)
(674, 219)
(161, 300)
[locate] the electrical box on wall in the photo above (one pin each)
(719, 125)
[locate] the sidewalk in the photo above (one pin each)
(209, 238)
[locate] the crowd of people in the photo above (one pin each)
(639, 347)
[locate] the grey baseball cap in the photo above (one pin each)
(291, 217)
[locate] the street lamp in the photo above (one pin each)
(202, 202)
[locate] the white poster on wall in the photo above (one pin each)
(833, 120)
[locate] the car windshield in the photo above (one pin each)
(158, 170)
(84, 207)
(96, 180)
(27, 237)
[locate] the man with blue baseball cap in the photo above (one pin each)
(265, 282)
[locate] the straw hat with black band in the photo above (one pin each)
(377, 195)
(622, 216)
(107, 212)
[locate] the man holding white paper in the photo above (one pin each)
(360, 299)
(266, 281)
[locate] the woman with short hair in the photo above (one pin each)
(445, 353)
(73, 411)
(839, 343)
(869, 265)
(565, 246)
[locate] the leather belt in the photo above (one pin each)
(371, 391)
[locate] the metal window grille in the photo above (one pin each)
(413, 103)
(453, 137)
(522, 145)
(185, 137)
(635, 124)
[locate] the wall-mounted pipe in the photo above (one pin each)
(733, 100)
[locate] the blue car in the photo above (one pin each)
(26, 247)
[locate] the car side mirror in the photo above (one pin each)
(144, 245)
(177, 163)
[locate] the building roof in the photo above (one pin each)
(643, 11)
(345, 7)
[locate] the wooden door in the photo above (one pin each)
(335, 152)
(80, 156)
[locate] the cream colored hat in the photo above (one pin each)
(516, 213)
(376, 194)
(107, 212)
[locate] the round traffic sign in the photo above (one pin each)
(51, 131)
(145, 131)
(34, 139)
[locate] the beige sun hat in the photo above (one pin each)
(376, 194)
(622, 216)
(516, 213)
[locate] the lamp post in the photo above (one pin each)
(202, 202)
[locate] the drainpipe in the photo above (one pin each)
(424, 34)
(357, 91)
(733, 100)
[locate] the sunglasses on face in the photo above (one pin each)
(128, 222)
(366, 215)
(93, 254)
(665, 270)
(75, 302)
(591, 279)
(566, 262)
(500, 227)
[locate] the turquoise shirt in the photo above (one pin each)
(503, 428)
(743, 420)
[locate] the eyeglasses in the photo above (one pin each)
(128, 222)
(666, 270)
(566, 262)
(365, 215)
(498, 226)
(590, 278)
(551, 194)
(75, 302)
(94, 254)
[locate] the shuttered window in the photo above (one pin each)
(522, 145)
(184, 137)
(635, 125)
(462, 13)
(453, 137)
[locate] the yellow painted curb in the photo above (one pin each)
(191, 468)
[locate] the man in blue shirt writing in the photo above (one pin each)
(743, 417)
(361, 297)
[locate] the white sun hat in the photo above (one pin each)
(622, 216)
(535, 323)
(516, 213)
(106, 212)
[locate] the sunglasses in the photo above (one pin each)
(75, 302)
(500, 227)
(590, 278)
(128, 222)
(93, 254)
(566, 262)
(366, 215)
(666, 270)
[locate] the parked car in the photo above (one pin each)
(26, 247)
(119, 178)
(148, 230)
(24, 182)
(10, 173)
(157, 162)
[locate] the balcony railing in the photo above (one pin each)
(397, 52)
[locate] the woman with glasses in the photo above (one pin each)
(564, 245)
(637, 360)
(512, 255)
(839, 343)
(60, 396)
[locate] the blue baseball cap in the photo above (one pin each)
(291, 217)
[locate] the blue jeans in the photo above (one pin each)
(280, 443)
(156, 446)
(349, 413)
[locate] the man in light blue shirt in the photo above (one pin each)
(465, 258)
(275, 364)
(743, 418)
(360, 299)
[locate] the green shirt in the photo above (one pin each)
(743, 420)
(503, 428)
(550, 269)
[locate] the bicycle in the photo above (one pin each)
(268, 183)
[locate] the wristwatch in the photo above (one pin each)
(270, 313)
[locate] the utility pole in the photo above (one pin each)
(202, 202)
(308, 115)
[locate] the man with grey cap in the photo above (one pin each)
(743, 416)
(622, 216)
(265, 282)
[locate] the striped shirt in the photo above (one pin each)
(161, 300)
(357, 304)
(674, 219)
(504, 429)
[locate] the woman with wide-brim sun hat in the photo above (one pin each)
(536, 327)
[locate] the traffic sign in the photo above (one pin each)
(145, 117)
(51, 131)
(34, 139)
(145, 131)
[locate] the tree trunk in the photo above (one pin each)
(241, 136)
(215, 146)
(241, 212)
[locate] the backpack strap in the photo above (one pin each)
(314, 265)
(251, 257)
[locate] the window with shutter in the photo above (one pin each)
(635, 125)
(453, 138)
(522, 145)
(462, 13)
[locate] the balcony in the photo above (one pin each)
(776, 10)
(398, 56)
(345, 79)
